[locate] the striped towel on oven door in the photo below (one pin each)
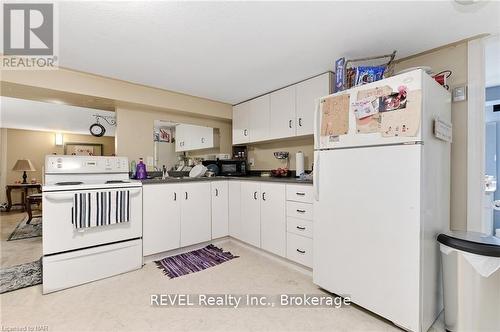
(102, 208)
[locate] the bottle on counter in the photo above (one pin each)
(164, 172)
(141, 172)
(133, 166)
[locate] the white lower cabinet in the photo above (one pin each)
(300, 227)
(234, 213)
(273, 218)
(299, 249)
(175, 215)
(262, 216)
(250, 213)
(220, 211)
(161, 218)
(195, 213)
(270, 216)
(299, 212)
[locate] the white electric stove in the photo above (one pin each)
(76, 255)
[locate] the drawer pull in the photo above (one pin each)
(301, 251)
(301, 211)
(301, 228)
(300, 194)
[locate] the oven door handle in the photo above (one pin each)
(66, 197)
(59, 197)
(136, 191)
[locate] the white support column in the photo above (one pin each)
(475, 134)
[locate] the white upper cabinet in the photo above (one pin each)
(282, 118)
(191, 137)
(259, 118)
(284, 113)
(307, 92)
(240, 123)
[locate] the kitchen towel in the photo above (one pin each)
(102, 208)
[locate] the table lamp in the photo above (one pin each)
(24, 165)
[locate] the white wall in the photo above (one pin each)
(35, 115)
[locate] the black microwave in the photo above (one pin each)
(229, 167)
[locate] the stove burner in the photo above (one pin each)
(69, 183)
(116, 181)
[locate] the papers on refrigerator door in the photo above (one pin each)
(404, 122)
(366, 107)
(443, 130)
(335, 115)
(371, 123)
(390, 113)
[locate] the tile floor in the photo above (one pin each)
(123, 302)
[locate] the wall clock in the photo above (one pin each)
(97, 129)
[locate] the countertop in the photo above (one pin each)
(290, 180)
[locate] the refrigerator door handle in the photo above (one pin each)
(317, 124)
(316, 176)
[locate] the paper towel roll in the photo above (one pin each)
(299, 163)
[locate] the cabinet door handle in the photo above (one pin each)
(289, 123)
(203, 139)
(255, 195)
(300, 122)
(245, 132)
(216, 192)
(300, 193)
(301, 211)
(264, 196)
(301, 228)
(301, 251)
(175, 196)
(186, 195)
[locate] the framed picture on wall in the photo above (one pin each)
(83, 149)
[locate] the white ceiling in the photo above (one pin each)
(232, 51)
(36, 115)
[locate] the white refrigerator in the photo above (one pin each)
(382, 195)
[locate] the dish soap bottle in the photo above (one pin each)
(140, 172)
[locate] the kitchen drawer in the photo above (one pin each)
(299, 249)
(299, 210)
(299, 227)
(299, 193)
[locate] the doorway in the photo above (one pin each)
(491, 215)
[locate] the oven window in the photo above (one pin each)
(229, 168)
